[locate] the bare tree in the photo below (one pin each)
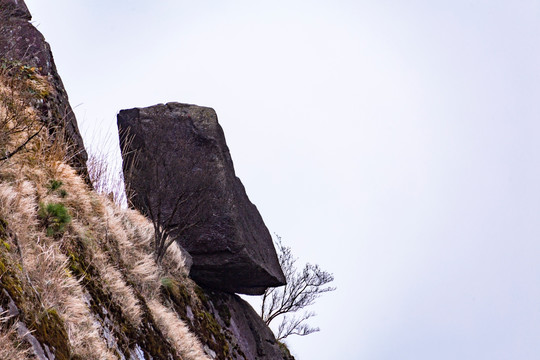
(302, 289)
(171, 191)
(173, 213)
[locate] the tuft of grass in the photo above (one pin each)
(55, 217)
(54, 185)
(167, 283)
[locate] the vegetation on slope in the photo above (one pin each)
(77, 275)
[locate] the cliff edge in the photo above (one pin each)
(78, 274)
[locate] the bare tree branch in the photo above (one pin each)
(295, 326)
(172, 197)
(20, 93)
(302, 289)
(10, 154)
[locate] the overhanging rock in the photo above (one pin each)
(179, 172)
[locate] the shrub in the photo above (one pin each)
(55, 217)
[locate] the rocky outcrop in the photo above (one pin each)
(21, 43)
(248, 337)
(93, 289)
(254, 338)
(179, 172)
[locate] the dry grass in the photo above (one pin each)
(18, 118)
(45, 268)
(119, 241)
(10, 347)
(63, 292)
(106, 178)
(24, 135)
(121, 293)
(185, 343)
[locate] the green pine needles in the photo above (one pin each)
(55, 217)
(54, 185)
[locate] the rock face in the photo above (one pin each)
(22, 43)
(15, 9)
(179, 172)
(253, 339)
(234, 237)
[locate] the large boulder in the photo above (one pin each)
(21, 43)
(179, 172)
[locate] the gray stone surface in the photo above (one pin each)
(249, 332)
(15, 9)
(176, 154)
(20, 41)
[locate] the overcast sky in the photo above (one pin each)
(394, 143)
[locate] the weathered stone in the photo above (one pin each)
(15, 9)
(248, 331)
(22, 43)
(179, 172)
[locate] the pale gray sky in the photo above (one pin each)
(395, 143)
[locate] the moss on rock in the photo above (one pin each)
(147, 336)
(210, 318)
(45, 325)
(50, 330)
(3, 229)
